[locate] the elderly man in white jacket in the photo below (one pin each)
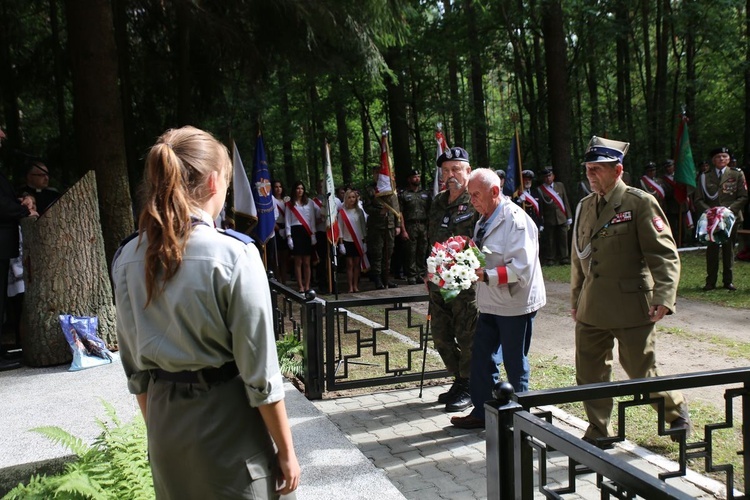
(510, 292)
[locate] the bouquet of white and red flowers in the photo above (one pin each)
(452, 265)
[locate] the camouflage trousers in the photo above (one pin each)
(379, 250)
(453, 326)
(416, 249)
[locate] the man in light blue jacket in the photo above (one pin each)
(510, 292)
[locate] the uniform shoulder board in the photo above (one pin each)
(128, 239)
(122, 245)
(590, 195)
(737, 169)
(635, 191)
(237, 236)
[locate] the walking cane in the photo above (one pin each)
(424, 352)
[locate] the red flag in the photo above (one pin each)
(384, 184)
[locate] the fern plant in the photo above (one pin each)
(114, 466)
(290, 353)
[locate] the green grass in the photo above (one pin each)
(692, 279)
(641, 421)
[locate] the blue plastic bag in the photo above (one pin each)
(88, 349)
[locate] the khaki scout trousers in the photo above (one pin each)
(636, 347)
(206, 441)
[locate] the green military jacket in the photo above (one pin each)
(374, 205)
(415, 205)
(623, 261)
(730, 191)
(451, 219)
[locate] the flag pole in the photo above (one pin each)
(519, 189)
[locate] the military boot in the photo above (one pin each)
(445, 396)
(461, 399)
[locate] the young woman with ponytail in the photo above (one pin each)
(194, 326)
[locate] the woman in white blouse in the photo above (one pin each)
(300, 233)
(353, 231)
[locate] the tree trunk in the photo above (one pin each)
(746, 141)
(648, 91)
(184, 76)
(59, 79)
(479, 125)
(397, 116)
(690, 76)
(66, 273)
(366, 161)
(97, 114)
(662, 80)
(457, 138)
(286, 131)
(342, 131)
(9, 85)
(122, 42)
(558, 104)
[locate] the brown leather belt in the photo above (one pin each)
(204, 376)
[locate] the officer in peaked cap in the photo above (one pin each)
(623, 257)
(558, 218)
(501, 174)
(454, 322)
(651, 184)
(529, 199)
(726, 187)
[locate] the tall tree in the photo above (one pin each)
(479, 121)
(558, 104)
(97, 113)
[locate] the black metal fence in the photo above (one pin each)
(344, 349)
(514, 433)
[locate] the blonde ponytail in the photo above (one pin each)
(174, 188)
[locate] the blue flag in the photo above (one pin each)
(262, 194)
(511, 174)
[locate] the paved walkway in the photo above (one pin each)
(426, 458)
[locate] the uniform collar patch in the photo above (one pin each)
(622, 217)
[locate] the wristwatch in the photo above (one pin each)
(485, 278)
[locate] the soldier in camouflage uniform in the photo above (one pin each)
(383, 225)
(415, 206)
(454, 322)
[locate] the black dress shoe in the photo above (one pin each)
(599, 443)
(467, 422)
(708, 287)
(378, 283)
(681, 423)
(391, 284)
(730, 287)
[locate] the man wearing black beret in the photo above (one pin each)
(721, 186)
(453, 322)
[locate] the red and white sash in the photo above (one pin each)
(280, 206)
(332, 231)
(358, 239)
(300, 218)
(651, 185)
(555, 198)
(526, 197)
(670, 181)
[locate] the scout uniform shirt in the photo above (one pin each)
(623, 260)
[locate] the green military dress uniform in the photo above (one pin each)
(453, 323)
(381, 232)
(624, 260)
(415, 207)
(729, 190)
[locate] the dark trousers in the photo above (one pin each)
(499, 339)
(727, 259)
(4, 269)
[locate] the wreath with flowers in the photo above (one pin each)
(452, 265)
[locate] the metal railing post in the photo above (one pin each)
(312, 334)
(498, 414)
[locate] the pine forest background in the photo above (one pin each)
(90, 84)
